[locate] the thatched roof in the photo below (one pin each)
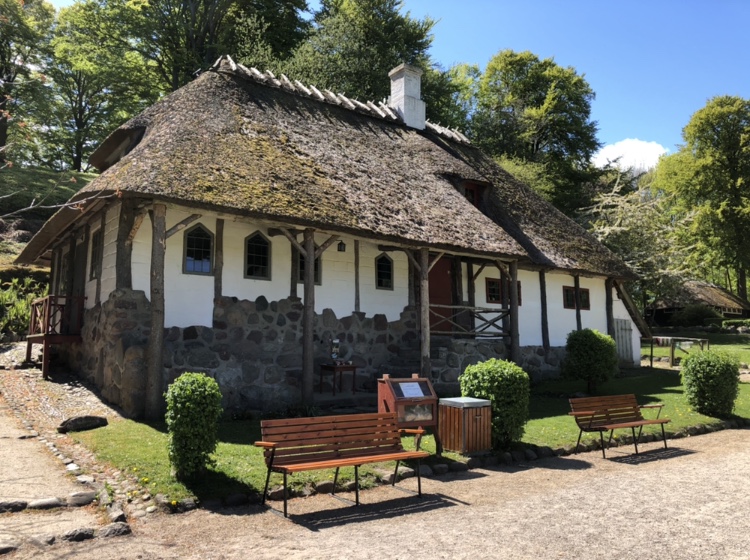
(699, 292)
(238, 141)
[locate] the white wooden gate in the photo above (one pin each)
(624, 341)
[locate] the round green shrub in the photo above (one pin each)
(506, 386)
(591, 356)
(193, 411)
(711, 381)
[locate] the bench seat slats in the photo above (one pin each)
(331, 442)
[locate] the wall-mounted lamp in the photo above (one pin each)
(342, 247)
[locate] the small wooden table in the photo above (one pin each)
(336, 369)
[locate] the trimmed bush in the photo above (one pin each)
(711, 381)
(506, 386)
(694, 315)
(193, 411)
(591, 356)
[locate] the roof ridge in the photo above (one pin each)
(380, 110)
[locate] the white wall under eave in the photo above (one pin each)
(109, 257)
(562, 321)
(189, 297)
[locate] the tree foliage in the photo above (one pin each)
(532, 110)
(25, 27)
(709, 177)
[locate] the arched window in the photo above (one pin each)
(257, 257)
(199, 243)
(383, 272)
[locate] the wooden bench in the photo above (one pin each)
(302, 444)
(601, 414)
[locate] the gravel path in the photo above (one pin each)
(689, 501)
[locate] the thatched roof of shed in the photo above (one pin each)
(699, 292)
(236, 142)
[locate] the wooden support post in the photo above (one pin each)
(102, 226)
(543, 301)
(515, 348)
(154, 362)
(295, 273)
(218, 259)
(471, 293)
(308, 318)
(577, 285)
(123, 265)
(609, 305)
(424, 312)
(356, 277)
(68, 313)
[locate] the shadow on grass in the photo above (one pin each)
(215, 485)
(388, 509)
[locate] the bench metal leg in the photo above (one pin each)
(579, 440)
(419, 479)
(395, 475)
(635, 439)
(335, 480)
(601, 439)
(285, 513)
(265, 490)
(664, 436)
(356, 484)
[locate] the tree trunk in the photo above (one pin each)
(741, 283)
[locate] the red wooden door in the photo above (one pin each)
(441, 293)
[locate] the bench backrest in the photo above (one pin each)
(330, 437)
(612, 409)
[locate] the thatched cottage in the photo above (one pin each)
(697, 292)
(192, 250)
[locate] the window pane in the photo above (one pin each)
(384, 273)
(257, 259)
(585, 303)
(493, 291)
(198, 251)
(97, 251)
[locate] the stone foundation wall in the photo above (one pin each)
(254, 351)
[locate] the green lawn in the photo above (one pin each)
(141, 449)
(735, 344)
(19, 186)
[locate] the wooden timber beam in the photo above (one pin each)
(182, 225)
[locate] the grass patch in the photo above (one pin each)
(550, 425)
(22, 185)
(140, 450)
(737, 345)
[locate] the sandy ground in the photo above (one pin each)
(689, 501)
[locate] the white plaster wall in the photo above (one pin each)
(234, 283)
(189, 297)
(372, 300)
(109, 257)
(562, 321)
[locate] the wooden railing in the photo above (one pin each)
(478, 322)
(56, 315)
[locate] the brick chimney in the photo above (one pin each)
(406, 82)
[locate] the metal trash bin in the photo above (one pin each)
(465, 424)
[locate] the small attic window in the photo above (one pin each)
(473, 192)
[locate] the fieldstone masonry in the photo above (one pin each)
(254, 350)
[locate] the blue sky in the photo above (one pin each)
(652, 63)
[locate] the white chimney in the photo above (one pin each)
(406, 82)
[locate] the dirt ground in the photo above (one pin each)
(686, 502)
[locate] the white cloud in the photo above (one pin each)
(638, 154)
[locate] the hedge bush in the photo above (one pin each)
(711, 381)
(193, 411)
(694, 315)
(591, 356)
(736, 323)
(506, 386)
